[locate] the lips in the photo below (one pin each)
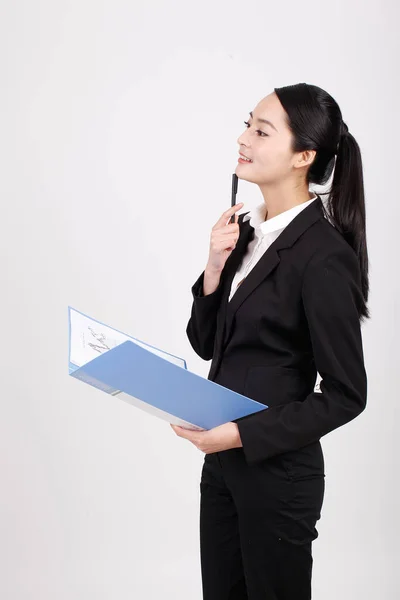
(245, 158)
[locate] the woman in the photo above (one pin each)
(279, 302)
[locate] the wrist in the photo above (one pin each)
(211, 281)
(212, 272)
(236, 436)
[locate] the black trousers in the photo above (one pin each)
(257, 524)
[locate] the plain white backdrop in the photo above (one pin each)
(119, 123)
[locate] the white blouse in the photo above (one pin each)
(265, 233)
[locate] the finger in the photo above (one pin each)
(178, 430)
(185, 433)
(222, 237)
(229, 228)
(224, 245)
(228, 213)
(235, 215)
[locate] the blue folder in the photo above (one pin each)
(133, 371)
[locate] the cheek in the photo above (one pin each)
(274, 157)
(273, 163)
(281, 157)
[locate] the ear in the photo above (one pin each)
(305, 158)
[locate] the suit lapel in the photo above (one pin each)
(266, 264)
(231, 266)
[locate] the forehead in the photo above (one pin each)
(270, 108)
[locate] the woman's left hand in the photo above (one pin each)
(223, 437)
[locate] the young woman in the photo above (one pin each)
(280, 301)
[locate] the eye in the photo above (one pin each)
(257, 130)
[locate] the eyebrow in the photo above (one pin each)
(264, 121)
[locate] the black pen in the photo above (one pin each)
(234, 192)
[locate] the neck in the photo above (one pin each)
(278, 199)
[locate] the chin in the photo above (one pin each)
(240, 172)
(246, 177)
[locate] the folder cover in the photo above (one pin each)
(149, 378)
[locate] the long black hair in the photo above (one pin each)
(316, 122)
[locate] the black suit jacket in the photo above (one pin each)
(296, 313)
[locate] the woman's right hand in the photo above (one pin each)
(224, 236)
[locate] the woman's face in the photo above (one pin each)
(267, 145)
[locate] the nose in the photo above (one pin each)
(242, 139)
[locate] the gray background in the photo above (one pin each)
(119, 123)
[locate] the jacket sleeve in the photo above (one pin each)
(202, 325)
(331, 294)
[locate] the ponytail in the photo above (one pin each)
(316, 122)
(346, 205)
